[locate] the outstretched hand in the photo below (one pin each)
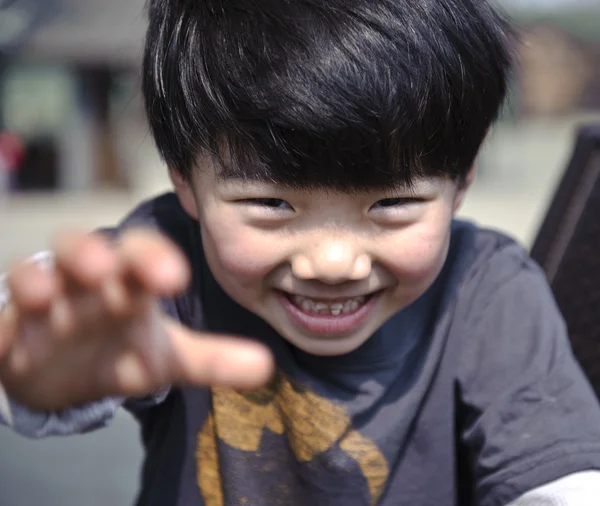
(91, 327)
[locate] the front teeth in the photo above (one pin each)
(333, 309)
(336, 309)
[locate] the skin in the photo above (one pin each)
(321, 245)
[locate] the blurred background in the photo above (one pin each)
(75, 151)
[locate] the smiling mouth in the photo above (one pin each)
(341, 307)
(329, 317)
(330, 307)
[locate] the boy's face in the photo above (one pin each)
(325, 270)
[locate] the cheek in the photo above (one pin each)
(240, 254)
(421, 254)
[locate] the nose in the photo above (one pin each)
(332, 261)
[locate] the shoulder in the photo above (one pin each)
(519, 388)
(504, 315)
(489, 255)
(163, 213)
(489, 268)
(166, 216)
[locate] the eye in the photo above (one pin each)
(396, 202)
(268, 204)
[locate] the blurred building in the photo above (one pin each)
(559, 72)
(68, 87)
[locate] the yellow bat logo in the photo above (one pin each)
(310, 423)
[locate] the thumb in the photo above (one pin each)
(203, 359)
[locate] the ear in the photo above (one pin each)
(185, 193)
(463, 187)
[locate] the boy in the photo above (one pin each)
(319, 151)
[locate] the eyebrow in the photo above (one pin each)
(227, 174)
(236, 178)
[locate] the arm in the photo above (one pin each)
(529, 420)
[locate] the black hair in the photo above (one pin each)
(340, 94)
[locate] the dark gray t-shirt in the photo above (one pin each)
(469, 396)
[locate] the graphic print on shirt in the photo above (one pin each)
(285, 445)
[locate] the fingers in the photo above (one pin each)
(145, 257)
(154, 262)
(32, 290)
(84, 260)
(121, 276)
(93, 284)
(31, 287)
(83, 263)
(203, 359)
(188, 359)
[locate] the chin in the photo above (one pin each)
(325, 347)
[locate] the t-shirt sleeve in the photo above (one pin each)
(527, 414)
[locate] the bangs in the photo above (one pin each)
(348, 160)
(348, 95)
